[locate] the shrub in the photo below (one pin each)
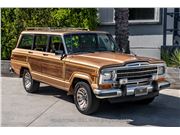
(175, 59)
(8, 32)
(76, 17)
(166, 57)
(14, 20)
(171, 59)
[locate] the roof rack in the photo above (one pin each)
(55, 29)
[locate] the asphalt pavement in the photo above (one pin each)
(52, 107)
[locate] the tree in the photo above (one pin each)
(121, 28)
(76, 17)
(8, 32)
(14, 20)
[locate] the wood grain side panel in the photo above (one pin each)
(17, 65)
(51, 81)
(52, 68)
(70, 69)
(35, 64)
(19, 57)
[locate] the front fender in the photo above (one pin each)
(83, 76)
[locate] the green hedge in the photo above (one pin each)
(14, 20)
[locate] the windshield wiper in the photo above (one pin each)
(107, 50)
(99, 50)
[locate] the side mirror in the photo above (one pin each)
(60, 52)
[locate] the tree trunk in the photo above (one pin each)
(121, 28)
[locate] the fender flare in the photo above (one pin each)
(81, 76)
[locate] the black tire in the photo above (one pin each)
(33, 84)
(145, 101)
(92, 102)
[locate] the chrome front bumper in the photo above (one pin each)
(111, 93)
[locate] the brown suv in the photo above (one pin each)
(86, 64)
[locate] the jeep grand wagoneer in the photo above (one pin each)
(86, 64)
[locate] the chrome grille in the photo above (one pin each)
(137, 75)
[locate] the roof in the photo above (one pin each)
(48, 30)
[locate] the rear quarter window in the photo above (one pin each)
(26, 42)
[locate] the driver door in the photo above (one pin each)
(52, 65)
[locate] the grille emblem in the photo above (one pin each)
(137, 64)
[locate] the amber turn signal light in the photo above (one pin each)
(105, 86)
(161, 79)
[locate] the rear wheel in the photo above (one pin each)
(84, 99)
(30, 85)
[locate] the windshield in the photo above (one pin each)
(89, 42)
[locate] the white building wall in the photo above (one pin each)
(148, 45)
(146, 39)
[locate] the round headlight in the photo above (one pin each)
(161, 70)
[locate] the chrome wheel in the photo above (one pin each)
(82, 98)
(27, 80)
(30, 85)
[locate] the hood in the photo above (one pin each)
(109, 59)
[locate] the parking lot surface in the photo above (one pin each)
(52, 107)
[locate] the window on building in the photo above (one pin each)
(143, 15)
(136, 15)
(106, 15)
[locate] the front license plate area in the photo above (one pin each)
(141, 91)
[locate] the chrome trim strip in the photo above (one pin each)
(137, 64)
(64, 44)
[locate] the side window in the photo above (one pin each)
(26, 42)
(41, 42)
(55, 44)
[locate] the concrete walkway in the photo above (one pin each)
(52, 107)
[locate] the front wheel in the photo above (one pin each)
(30, 85)
(84, 99)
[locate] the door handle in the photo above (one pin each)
(30, 52)
(45, 54)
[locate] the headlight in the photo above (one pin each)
(107, 76)
(161, 70)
